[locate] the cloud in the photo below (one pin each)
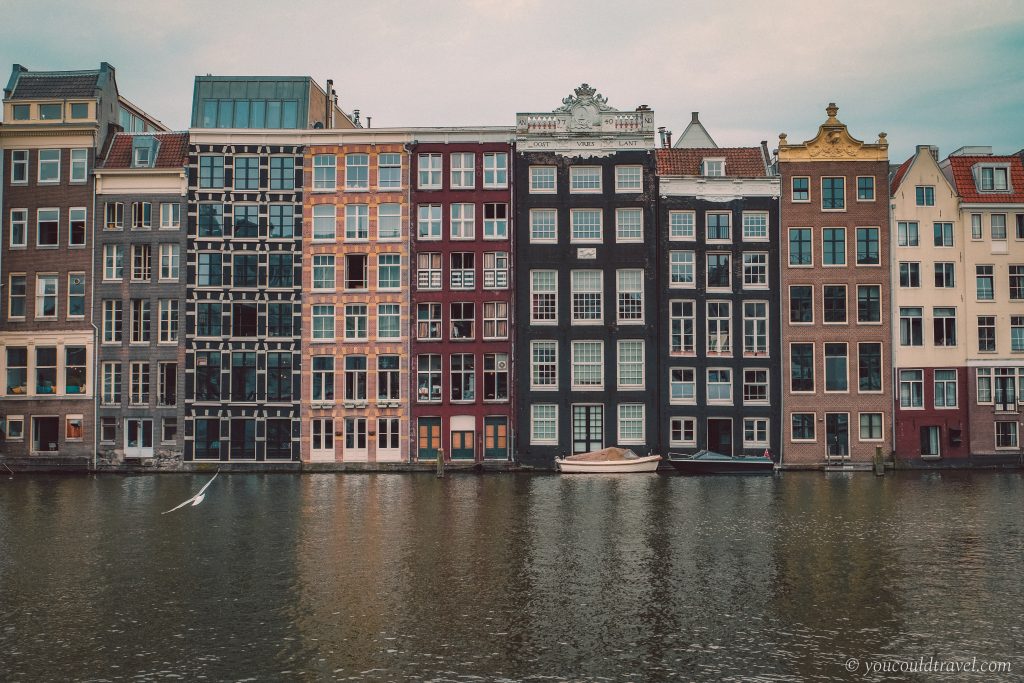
(941, 72)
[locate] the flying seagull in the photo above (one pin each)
(198, 498)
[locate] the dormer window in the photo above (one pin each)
(20, 112)
(144, 149)
(993, 178)
(712, 168)
(49, 112)
(79, 110)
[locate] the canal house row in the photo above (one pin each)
(56, 127)
(286, 284)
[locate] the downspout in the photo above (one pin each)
(95, 330)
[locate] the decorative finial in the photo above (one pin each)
(782, 138)
(831, 110)
(881, 137)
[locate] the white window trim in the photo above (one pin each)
(543, 442)
(683, 418)
(588, 190)
(693, 226)
(642, 438)
(880, 439)
(585, 240)
(643, 366)
(629, 190)
(574, 386)
(553, 189)
(800, 201)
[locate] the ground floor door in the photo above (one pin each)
(322, 440)
(837, 435)
(45, 434)
(587, 428)
(388, 438)
(720, 435)
(138, 437)
(355, 439)
(496, 438)
(428, 438)
(462, 445)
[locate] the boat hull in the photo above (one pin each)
(647, 464)
(687, 466)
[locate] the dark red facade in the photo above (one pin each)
(461, 314)
(916, 438)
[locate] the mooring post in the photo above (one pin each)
(879, 463)
(440, 463)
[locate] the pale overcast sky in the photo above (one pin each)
(942, 72)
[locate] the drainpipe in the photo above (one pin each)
(95, 330)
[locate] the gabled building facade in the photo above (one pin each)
(836, 327)
(462, 294)
(990, 189)
(355, 308)
(929, 313)
(55, 124)
(243, 297)
(139, 227)
(585, 272)
(719, 348)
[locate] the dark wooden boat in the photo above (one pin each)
(709, 462)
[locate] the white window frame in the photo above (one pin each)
(757, 428)
(621, 224)
(538, 173)
(586, 365)
(621, 292)
(322, 213)
(550, 420)
(79, 165)
(624, 179)
(325, 175)
(551, 291)
(535, 214)
(544, 345)
(573, 213)
(581, 180)
(685, 379)
(682, 428)
(624, 362)
(430, 168)
(622, 421)
(462, 221)
(495, 170)
(459, 170)
(576, 278)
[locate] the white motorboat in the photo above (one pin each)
(607, 461)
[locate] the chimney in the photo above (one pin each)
(355, 118)
(661, 135)
(694, 117)
(668, 138)
(369, 119)
(328, 118)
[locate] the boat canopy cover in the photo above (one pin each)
(605, 454)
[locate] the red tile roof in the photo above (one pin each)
(173, 152)
(740, 162)
(897, 177)
(963, 179)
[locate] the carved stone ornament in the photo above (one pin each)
(584, 108)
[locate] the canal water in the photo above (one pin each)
(509, 577)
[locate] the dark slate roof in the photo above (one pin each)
(740, 162)
(173, 152)
(56, 84)
(963, 179)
